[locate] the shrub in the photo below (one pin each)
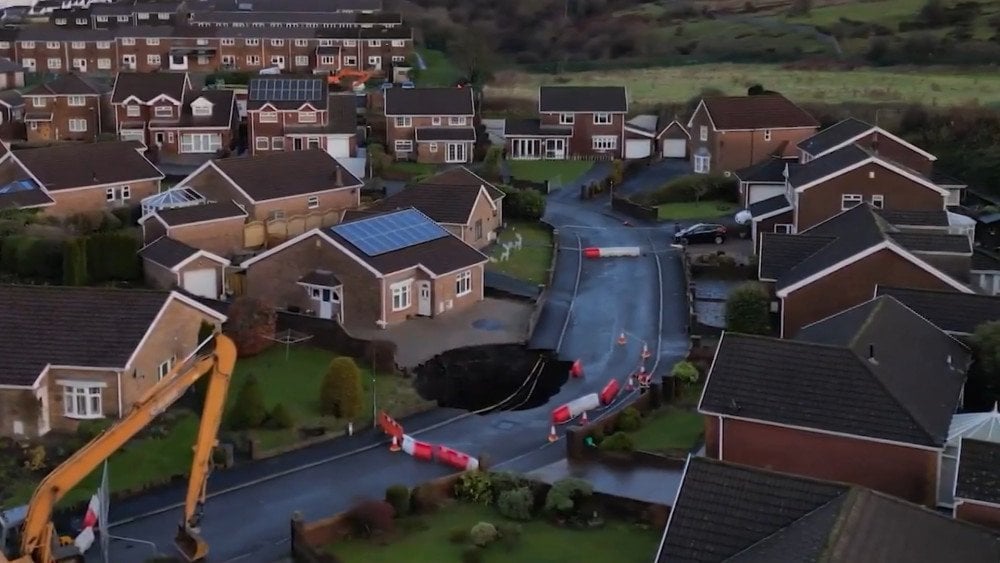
(251, 324)
(685, 372)
(747, 310)
(504, 481)
(399, 497)
(370, 516)
(90, 429)
(341, 394)
(617, 172)
(472, 554)
(426, 499)
(249, 411)
(491, 163)
(565, 496)
(629, 420)
(516, 504)
(483, 534)
(693, 188)
(523, 204)
(280, 418)
(34, 458)
(458, 535)
(39, 259)
(476, 487)
(618, 442)
(74, 266)
(510, 530)
(113, 256)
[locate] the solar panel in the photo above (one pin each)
(287, 89)
(394, 231)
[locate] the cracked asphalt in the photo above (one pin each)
(589, 303)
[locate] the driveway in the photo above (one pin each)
(653, 176)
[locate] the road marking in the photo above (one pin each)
(572, 301)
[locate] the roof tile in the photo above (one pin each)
(285, 174)
(582, 99)
(766, 111)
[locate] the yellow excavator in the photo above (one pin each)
(39, 542)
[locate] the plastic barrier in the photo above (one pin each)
(592, 252)
(390, 426)
(611, 251)
(419, 450)
(575, 408)
(610, 391)
(576, 370)
(456, 459)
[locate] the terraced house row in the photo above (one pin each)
(149, 48)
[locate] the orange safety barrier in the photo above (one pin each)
(592, 252)
(390, 426)
(456, 459)
(610, 391)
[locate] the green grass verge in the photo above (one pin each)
(540, 542)
(695, 210)
(439, 72)
(559, 172)
(413, 169)
(669, 428)
(530, 263)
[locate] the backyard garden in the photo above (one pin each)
(532, 260)
(557, 172)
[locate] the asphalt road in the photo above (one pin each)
(591, 301)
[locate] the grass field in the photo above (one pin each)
(558, 171)
(650, 86)
(413, 169)
(439, 71)
(530, 263)
(540, 542)
(695, 210)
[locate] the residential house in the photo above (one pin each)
(12, 116)
(729, 512)
(838, 264)
(574, 122)
(956, 313)
(69, 108)
(977, 483)
(288, 113)
(375, 271)
(206, 125)
(463, 203)
(71, 354)
(673, 139)
(280, 186)
(11, 74)
(432, 125)
(215, 227)
(734, 132)
(640, 136)
(139, 98)
(170, 264)
(71, 179)
(847, 388)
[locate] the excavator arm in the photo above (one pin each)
(38, 534)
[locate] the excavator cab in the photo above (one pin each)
(190, 543)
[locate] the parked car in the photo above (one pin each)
(701, 233)
(408, 85)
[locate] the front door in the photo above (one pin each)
(555, 148)
(128, 61)
(456, 152)
(424, 298)
(326, 302)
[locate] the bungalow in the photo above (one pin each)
(215, 227)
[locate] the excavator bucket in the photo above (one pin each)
(190, 544)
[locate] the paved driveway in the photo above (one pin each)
(653, 176)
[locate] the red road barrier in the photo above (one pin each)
(611, 251)
(419, 450)
(576, 370)
(561, 415)
(575, 408)
(390, 426)
(610, 391)
(456, 459)
(592, 252)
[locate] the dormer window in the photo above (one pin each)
(163, 111)
(133, 110)
(201, 108)
(307, 117)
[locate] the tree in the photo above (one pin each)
(251, 325)
(984, 377)
(933, 14)
(747, 310)
(341, 393)
(565, 495)
(878, 50)
(685, 372)
(800, 8)
(249, 410)
(474, 54)
(491, 164)
(74, 262)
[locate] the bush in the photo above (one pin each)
(74, 266)
(685, 372)
(747, 310)
(90, 429)
(618, 442)
(458, 535)
(399, 497)
(280, 418)
(34, 458)
(565, 496)
(249, 411)
(510, 532)
(252, 325)
(504, 481)
(483, 534)
(695, 187)
(370, 516)
(472, 554)
(113, 256)
(491, 163)
(516, 504)
(476, 487)
(341, 394)
(629, 420)
(426, 499)
(34, 258)
(524, 204)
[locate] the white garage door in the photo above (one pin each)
(202, 283)
(637, 148)
(338, 147)
(674, 148)
(760, 192)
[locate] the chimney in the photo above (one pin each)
(338, 177)
(871, 354)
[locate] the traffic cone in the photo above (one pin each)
(394, 446)
(576, 370)
(621, 339)
(645, 351)
(583, 418)
(552, 433)
(630, 384)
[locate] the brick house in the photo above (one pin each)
(281, 185)
(82, 353)
(673, 139)
(12, 116)
(215, 227)
(838, 264)
(730, 512)
(574, 122)
(299, 113)
(206, 125)
(956, 313)
(847, 388)
(70, 179)
(977, 483)
(139, 98)
(11, 74)
(170, 264)
(69, 108)
(733, 132)
(361, 274)
(464, 204)
(432, 125)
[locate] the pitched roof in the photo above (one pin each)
(429, 134)
(534, 128)
(985, 261)
(76, 165)
(23, 193)
(287, 92)
(769, 205)
(70, 84)
(148, 85)
(223, 110)
(461, 176)
(11, 98)
(343, 114)
(766, 111)
(320, 277)
(429, 101)
(933, 242)
(937, 218)
(212, 211)
(583, 99)
(441, 202)
(285, 174)
(779, 253)
(951, 311)
(7, 65)
(836, 134)
(167, 252)
(826, 165)
(771, 170)
(978, 471)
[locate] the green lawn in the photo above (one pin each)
(413, 169)
(695, 210)
(559, 172)
(540, 542)
(669, 428)
(531, 262)
(439, 72)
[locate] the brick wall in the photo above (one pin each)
(88, 200)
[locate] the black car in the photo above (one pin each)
(701, 233)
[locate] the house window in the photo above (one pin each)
(702, 163)
(848, 201)
(253, 60)
(77, 125)
(350, 61)
(52, 44)
(374, 43)
(4, 44)
(143, 16)
(277, 143)
(102, 18)
(374, 60)
(463, 283)
(261, 144)
(277, 42)
(120, 193)
(436, 120)
(38, 102)
(133, 110)
(313, 143)
(76, 101)
(268, 117)
(153, 60)
(276, 215)
(566, 119)
(328, 60)
(460, 120)
(104, 64)
(79, 64)
(153, 41)
(400, 295)
(252, 42)
(227, 42)
(398, 43)
(163, 111)
(301, 60)
(163, 369)
(350, 43)
(201, 110)
(123, 19)
(54, 64)
(103, 44)
(767, 134)
(783, 228)
(312, 202)
(326, 42)
(878, 201)
(76, 45)
(301, 43)
(82, 401)
(81, 21)
(433, 147)
(27, 44)
(479, 229)
(228, 61)
(398, 59)
(201, 42)
(703, 133)
(60, 21)
(404, 146)
(128, 41)
(307, 117)
(605, 142)
(602, 119)
(404, 121)
(200, 142)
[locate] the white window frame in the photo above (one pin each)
(301, 42)
(37, 102)
(201, 110)
(128, 41)
(277, 143)
(262, 144)
(251, 42)
(374, 60)
(403, 145)
(153, 59)
(401, 295)
(436, 120)
(374, 43)
(79, 64)
(227, 42)
(350, 60)
(77, 45)
(878, 201)
(103, 45)
(398, 59)
(200, 143)
(117, 193)
(404, 121)
(4, 44)
(157, 113)
(312, 202)
(703, 133)
(350, 43)
(328, 59)
(52, 45)
(90, 396)
(603, 118)
(604, 142)
(104, 63)
(432, 147)
(784, 228)
(567, 119)
(463, 283)
(102, 19)
(268, 117)
(307, 117)
(133, 110)
(398, 43)
(277, 42)
(76, 101)
(702, 164)
(77, 125)
(767, 134)
(164, 368)
(53, 63)
(848, 201)
(253, 60)
(456, 120)
(151, 41)
(27, 44)
(301, 60)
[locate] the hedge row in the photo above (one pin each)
(696, 187)
(97, 258)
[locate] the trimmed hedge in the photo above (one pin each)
(113, 256)
(695, 187)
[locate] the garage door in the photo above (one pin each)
(202, 283)
(674, 148)
(338, 147)
(637, 148)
